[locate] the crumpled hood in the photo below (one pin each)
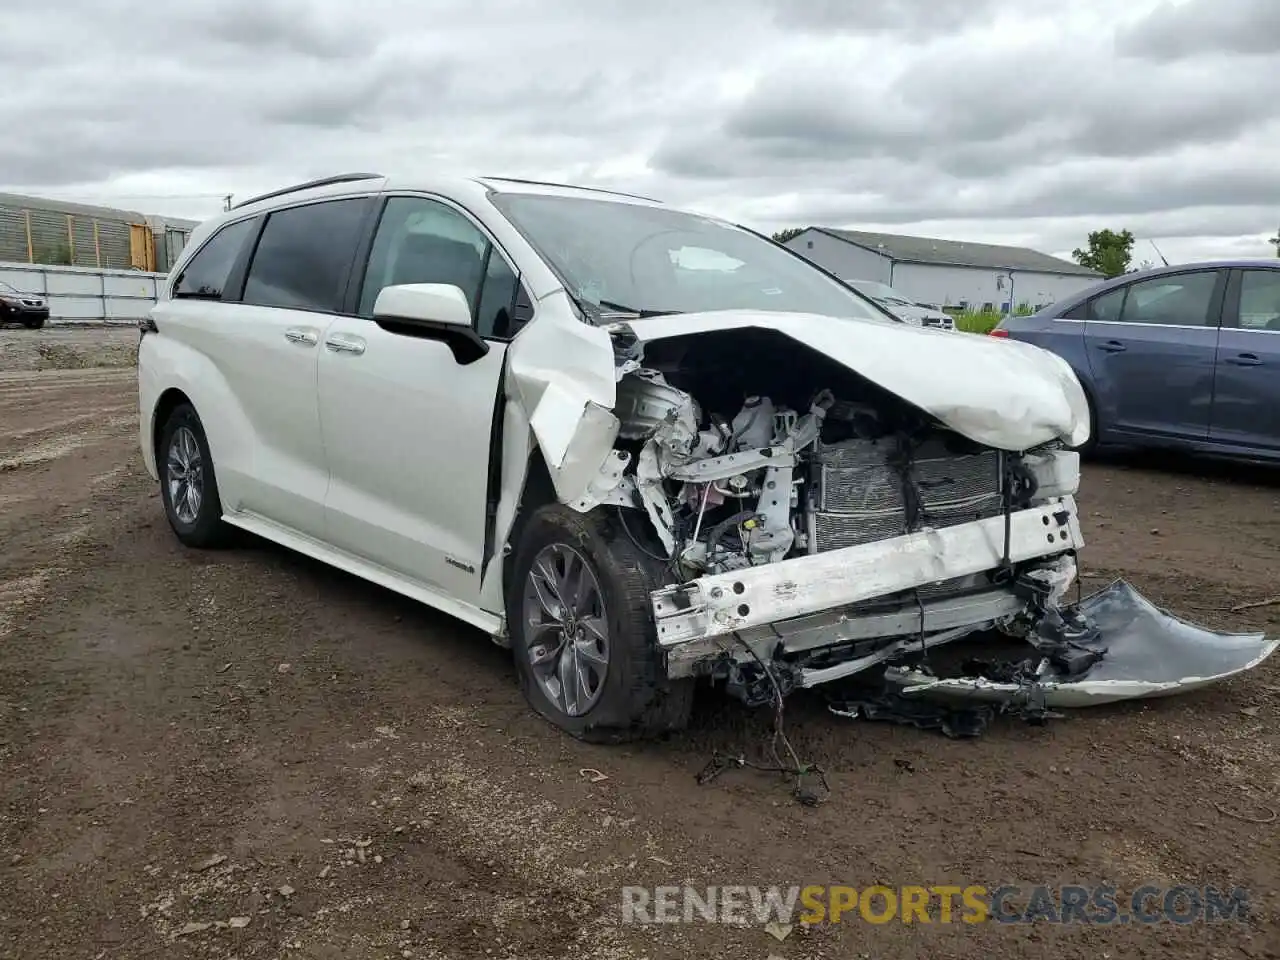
(998, 392)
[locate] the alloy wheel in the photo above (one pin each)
(184, 474)
(565, 628)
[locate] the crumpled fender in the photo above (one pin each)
(562, 372)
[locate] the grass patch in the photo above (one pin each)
(984, 321)
(977, 321)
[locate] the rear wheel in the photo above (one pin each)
(188, 484)
(582, 632)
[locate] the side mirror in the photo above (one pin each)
(441, 303)
(431, 311)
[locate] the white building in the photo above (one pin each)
(945, 273)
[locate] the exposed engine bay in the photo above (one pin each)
(733, 479)
(813, 525)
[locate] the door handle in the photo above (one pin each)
(1112, 346)
(1245, 360)
(343, 344)
(299, 335)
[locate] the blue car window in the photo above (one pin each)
(1181, 300)
(1260, 300)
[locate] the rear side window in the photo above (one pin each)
(1260, 300)
(1171, 301)
(205, 277)
(304, 256)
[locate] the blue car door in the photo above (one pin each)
(1152, 347)
(1246, 401)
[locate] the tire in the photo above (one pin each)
(635, 699)
(203, 526)
(33, 324)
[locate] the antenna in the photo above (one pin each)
(1158, 253)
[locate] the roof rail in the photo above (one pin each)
(322, 182)
(571, 186)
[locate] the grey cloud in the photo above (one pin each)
(922, 18)
(1097, 192)
(270, 27)
(1193, 29)
(991, 121)
(761, 110)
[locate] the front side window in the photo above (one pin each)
(1181, 300)
(620, 256)
(1260, 300)
(304, 256)
(205, 276)
(424, 241)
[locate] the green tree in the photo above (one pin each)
(1109, 252)
(1275, 242)
(782, 236)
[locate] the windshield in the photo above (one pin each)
(879, 291)
(5, 288)
(619, 256)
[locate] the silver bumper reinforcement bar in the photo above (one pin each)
(727, 603)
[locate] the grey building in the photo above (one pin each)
(945, 273)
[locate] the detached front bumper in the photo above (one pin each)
(691, 617)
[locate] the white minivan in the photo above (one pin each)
(639, 445)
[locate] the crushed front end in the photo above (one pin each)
(809, 541)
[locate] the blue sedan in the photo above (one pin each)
(1182, 357)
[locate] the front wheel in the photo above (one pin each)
(582, 631)
(188, 484)
(33, 324)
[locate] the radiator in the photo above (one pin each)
(858, 495)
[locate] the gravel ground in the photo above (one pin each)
(244, 753)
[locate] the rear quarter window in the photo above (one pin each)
(205, 275)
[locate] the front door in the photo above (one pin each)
(407, 427)
(1246, 402)
(1152, 346)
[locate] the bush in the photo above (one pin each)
(977, 321)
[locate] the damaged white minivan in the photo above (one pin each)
(638, 445)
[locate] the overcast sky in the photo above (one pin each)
(1007, 121)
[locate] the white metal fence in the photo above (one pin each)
(84, 294)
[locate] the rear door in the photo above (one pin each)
(1246, 403)
(1152, 348)
(268, 349)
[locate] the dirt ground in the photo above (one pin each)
(244, 753)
